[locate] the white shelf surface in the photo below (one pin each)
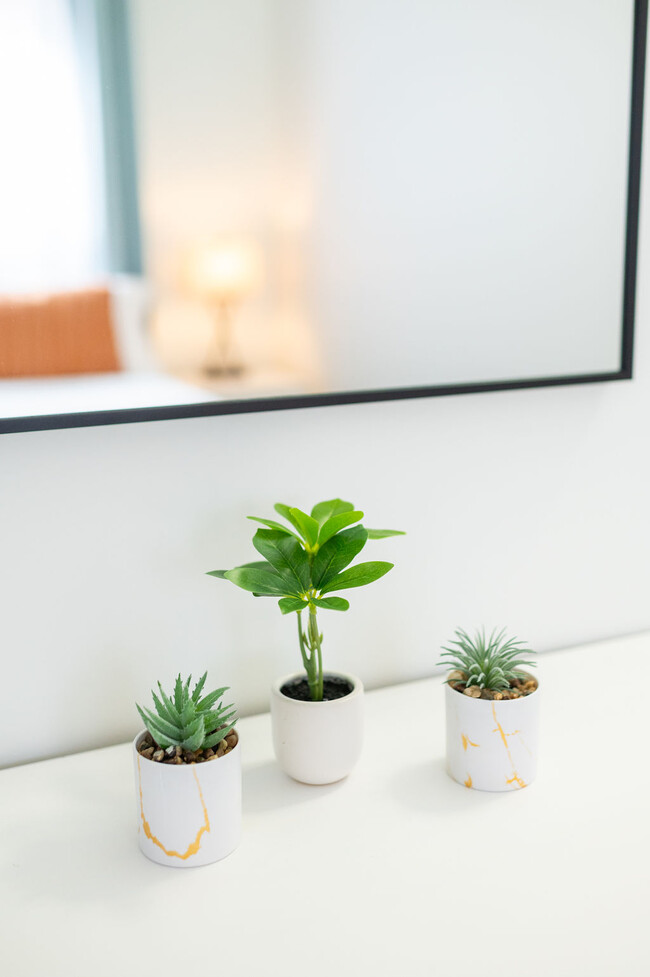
(395, 871)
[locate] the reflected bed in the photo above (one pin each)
(28, 397)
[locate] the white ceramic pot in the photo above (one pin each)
(492, 744)
(317, 742)
(188, 814)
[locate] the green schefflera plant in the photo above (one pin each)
(492, 663)
(304, 563)
(190, 721)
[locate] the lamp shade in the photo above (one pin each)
(224, 271)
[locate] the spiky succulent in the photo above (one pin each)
(189, 721)
(490, 663)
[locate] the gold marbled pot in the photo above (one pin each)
(189, 814)
(492, 744)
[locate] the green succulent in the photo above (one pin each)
(189, 721)
(490, 663)
(304, 562)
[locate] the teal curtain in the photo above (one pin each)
(102, 28)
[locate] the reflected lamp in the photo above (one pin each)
(222, 274)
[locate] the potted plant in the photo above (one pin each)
(492, 710)
(317, 717)
(188, 777)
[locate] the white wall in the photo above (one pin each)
(457, 150)
(527, 508)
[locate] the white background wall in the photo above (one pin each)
(524, 508)
(528, 508)
(457, 149)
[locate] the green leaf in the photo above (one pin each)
(306, 526)
(323, 511)
(284, 511)
(143, 715)
(289, 604)
(209, 700)
(336, 554)
(162, 710)
(193, 739)
(286, 555)
(217, 719)
(178, 694)
(336, 524)
(169, 705)
(215, 738)
(384, 533)
(161, 738)
(331, 603)
(272, 524)
(152, 722)
(198, 688)
(190, 728)
(358, 576)
(188, 715)
(255, 565)
(265, 582)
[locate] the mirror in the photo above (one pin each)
(277, 203)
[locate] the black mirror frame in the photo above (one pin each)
(96, 418)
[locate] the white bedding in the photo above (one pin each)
(27, 397)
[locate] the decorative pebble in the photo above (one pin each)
(149, 749)
(517, 690)
(456, 676)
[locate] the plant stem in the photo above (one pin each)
(315, 640)
(308, 658)
(301, 639)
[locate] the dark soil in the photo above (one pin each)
(149, 749)
(334, 687)
(519, 688)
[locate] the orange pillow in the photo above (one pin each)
(57, 334)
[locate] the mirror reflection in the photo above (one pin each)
(213, 200)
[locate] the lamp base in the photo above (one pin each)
(226, 370)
